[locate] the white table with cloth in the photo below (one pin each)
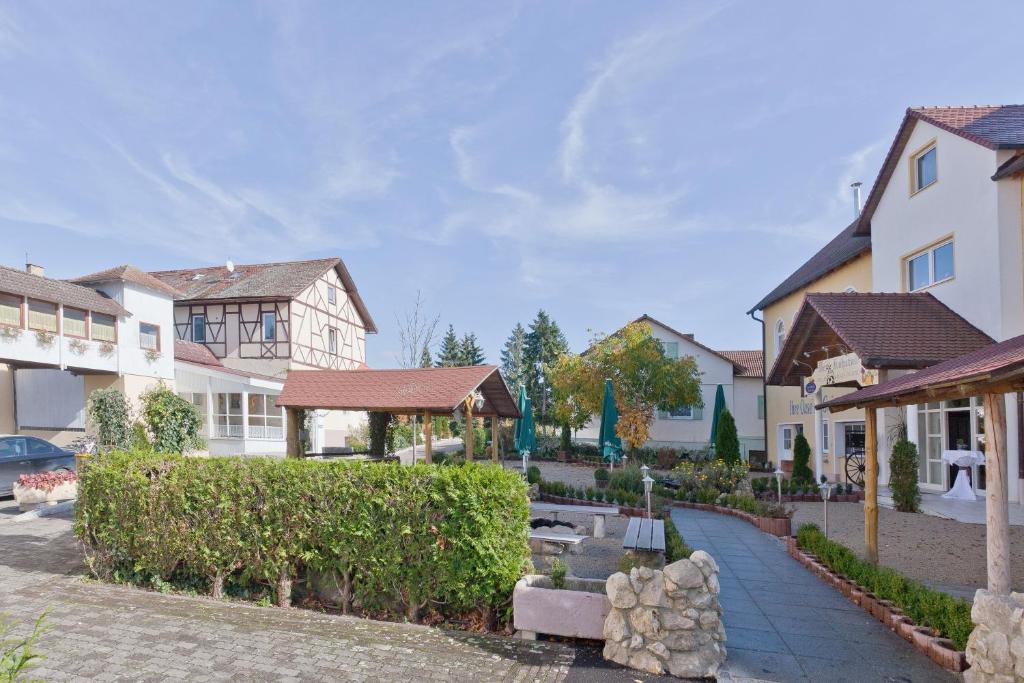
(964, 460)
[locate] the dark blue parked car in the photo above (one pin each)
(27, 455)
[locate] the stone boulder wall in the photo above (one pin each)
(995, 649)
(667, 620)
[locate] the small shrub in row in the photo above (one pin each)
(398, 539)
(950, 616)
(755, 507)
(675, 546)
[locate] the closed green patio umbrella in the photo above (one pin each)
(608, 440)
(521, 404)
(527, 434)
(719, 407)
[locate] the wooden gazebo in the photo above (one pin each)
(989, 372)
(476, 391)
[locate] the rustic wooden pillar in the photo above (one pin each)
(997, 513)
(494, 439)
(467, 431)
(428, 437)
(293, 415)
(871, 484)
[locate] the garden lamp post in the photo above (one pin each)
(648, 485)
(526, 459)
(778, 481)
(826, 493)
(644, 469)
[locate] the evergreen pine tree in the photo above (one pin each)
(727, 441)
(512, 361)
(801, 460)
(425, 360)
(543, 345)
(472, 354)
(450, 353)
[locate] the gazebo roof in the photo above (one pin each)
(400, 391)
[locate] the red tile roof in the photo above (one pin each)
(127, 273)
(13, 281)
(191, 352)
(886, 330)
(688, 336)
(843, 248)
(752, 362)
(439, 390)
(989, 363)
(993, 126)
(284, 280)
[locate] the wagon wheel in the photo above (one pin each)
(855, 468)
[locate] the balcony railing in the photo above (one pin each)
(228, 431)
(265, 432)
(254, 432)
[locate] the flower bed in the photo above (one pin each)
(934, 622)
(447, 542)
(45, 488)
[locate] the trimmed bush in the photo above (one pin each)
(601, 474)
(801, 460)
(533, 474)
(903, 476)
(675, 547)
(400, 539)
(950, 616)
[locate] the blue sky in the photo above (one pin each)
(599, 160)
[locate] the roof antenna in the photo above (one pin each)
(856, 198)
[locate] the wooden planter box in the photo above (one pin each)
(577, 611)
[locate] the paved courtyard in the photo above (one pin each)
(106, 632)
(784, 624)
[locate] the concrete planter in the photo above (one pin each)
(577, 611)
(31, 498)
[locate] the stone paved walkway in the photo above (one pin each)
(785, 624)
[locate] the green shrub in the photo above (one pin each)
(628, 478)
(174, 422)
(558, 571)
(406, 538)
(727, 441)
(675, 547)
(565, 439)
(601, 474)
(950, 616)
(716, 474)
(801, 460)
(533, 474)
(707, 496)
(903, 476)
(108, 409)
(18, 653)
(380, 433)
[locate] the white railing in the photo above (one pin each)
(228, 431)
(265, 432)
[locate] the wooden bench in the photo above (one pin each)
(600, 513)
(570, 542)
(645, 535)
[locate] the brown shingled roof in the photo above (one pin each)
(13, 281)
(191, 352)
(842, 249)
(439, 390)
(993, 363)
(1013, 166)
(127, 273)
(752, 362)
(283, 280)
(993, 127)
(886, 330)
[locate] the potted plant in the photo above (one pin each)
(45, 488)
(560, 605)
(601, 477)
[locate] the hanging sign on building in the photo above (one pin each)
(840, 370)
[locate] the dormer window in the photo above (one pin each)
(923, 168)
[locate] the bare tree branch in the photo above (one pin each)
(416, 333)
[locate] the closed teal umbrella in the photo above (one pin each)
(527, 434)
(521, 404)
(608, 440)
(719, 407)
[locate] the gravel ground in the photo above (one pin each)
(940, 552)
(599, 557)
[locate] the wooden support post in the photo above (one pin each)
(293, 415)
(494, 439)
(428, 437)
(871, 484)
(467, 431)
(997, 513)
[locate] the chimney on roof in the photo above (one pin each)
(33, 269)
(856, 198)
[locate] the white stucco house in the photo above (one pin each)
(740, 375)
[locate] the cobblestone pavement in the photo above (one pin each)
(785, 624)
(107, 632)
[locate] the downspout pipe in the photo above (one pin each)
(764, 381)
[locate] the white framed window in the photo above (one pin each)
(923, 168)
(228, 416)
(269, 326)
(332, 341)
(265, 419)
(929, 266)
(103, 327)
(671, 349)
(780, 336)
(824, 437)
(332, 295)
(199, 328)
(682, 413)
(149, 336)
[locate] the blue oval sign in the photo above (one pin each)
(811, 387)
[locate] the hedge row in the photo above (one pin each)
(399, 539)
(950, 616)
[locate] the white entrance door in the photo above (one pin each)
(786, 435)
